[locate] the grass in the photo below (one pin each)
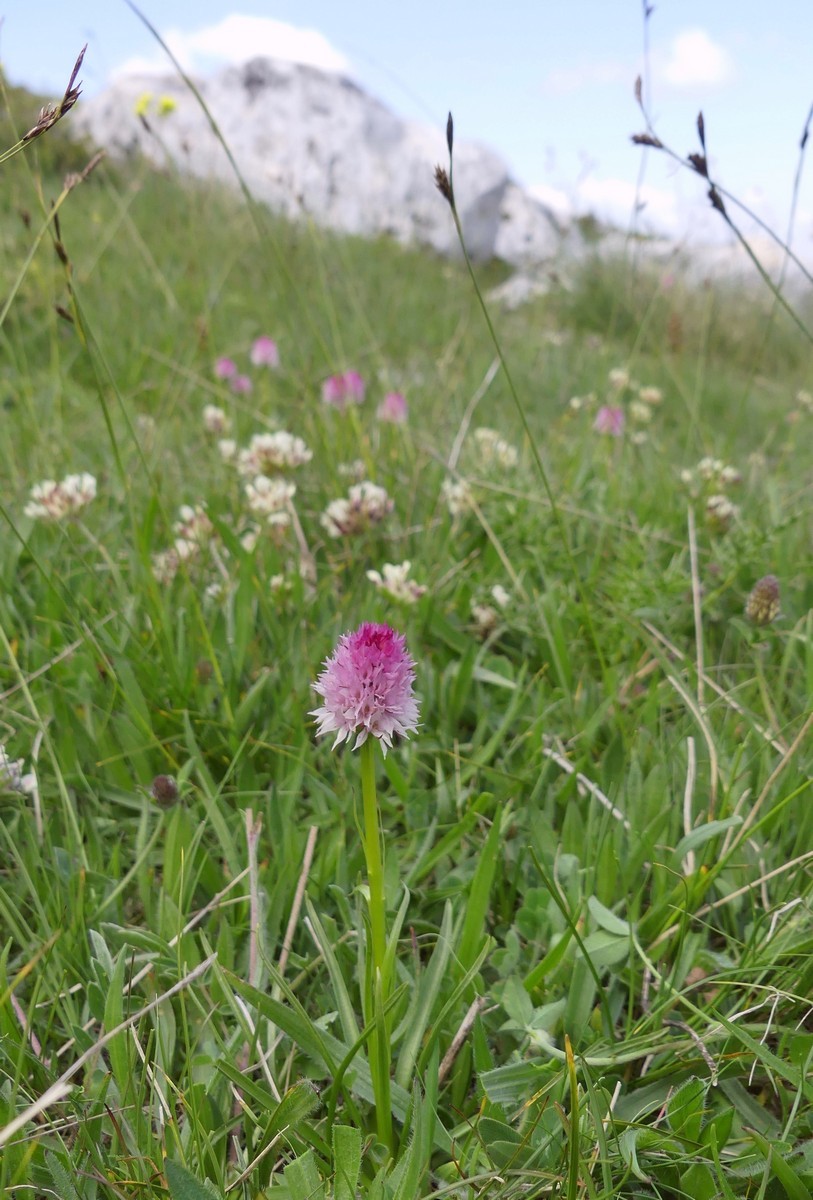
(598, 857)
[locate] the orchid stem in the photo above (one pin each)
(378, 985)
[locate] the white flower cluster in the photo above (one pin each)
(269, 498)
(51, 501)
(269, 452)
(355, 470)
(486, 616)
(12, 778)
(394, 581)
(710, 478)
(366, 505)
(494, 450)
(215, 420)
(194, 530)
(457, 495)
(720, 511)
(711, 473)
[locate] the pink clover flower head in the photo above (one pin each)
(610, 420)
(393, 408)
(241, 384)
(264, 352)
(366, 685)
(354, 386)
(339, 390)
(225, 368)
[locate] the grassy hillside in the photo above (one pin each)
(597, 845)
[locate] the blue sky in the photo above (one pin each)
(547, 84)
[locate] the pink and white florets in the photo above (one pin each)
(366, 685)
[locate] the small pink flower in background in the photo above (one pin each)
(393, 408)
(610, 420)
(225, 368)
(354, 386)
(339, 390)
(366, 685)
(333, 391)
(264, 352)
(241, 384)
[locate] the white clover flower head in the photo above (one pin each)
(500, 595)
(650, 395)
(279, 584)
(805, 400)
(394, 581)
(687, 476)
(730, 476)
(485, 618)
(355, 470)
(12, 777)
(458, 496)
(270, 452)
(640, 412)
(618, 379)
(720, 511)
(227, 449)
(709, 468)
(269, 498)
(249, 538)
(639, 437)
(52, 501)
(576, 403)
(215, 420)
(367, 504)
(494, 450)
(193, 528)
(214, 590)
(165, 566)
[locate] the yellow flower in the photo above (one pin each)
(142, 104)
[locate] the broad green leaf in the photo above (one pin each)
(685, 1110)
(302, 1178)
(184, 1186)
(607, 919)
(346, 1161)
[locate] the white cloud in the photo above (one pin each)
(693, 60)
(614, 200)
(236, 39)
(553, 198)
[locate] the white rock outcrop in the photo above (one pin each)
(313, 143)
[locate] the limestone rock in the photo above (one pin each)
(311, 143)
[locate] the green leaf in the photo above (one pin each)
(473, 935)
(341, 996)
(793, 1185)
(63, 1184)
(607, 919)
(702, 834)
(117, 1047)
(346, 1161)
(419, 1014)
(183, 1185)
(685, 1110)
(302, 1178)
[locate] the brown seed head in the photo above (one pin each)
(762, 605)
(442, 184)
(164, 789)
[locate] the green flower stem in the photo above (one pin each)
(372, 851)
(377, 948)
